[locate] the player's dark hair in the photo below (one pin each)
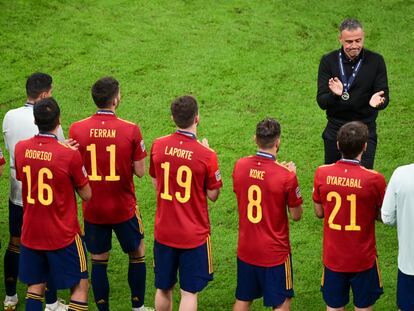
(46, 114)
(38, 83)
(351, 138)
(184, 109)
(267, 132)
(350, 24)
(104, 91)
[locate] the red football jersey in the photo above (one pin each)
(351, 196)
(2, 160)
(184, 170)
(264, 189)
(109, 146)
(49, 172)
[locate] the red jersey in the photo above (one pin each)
(351, 197)
(2, 160)
(109, 146)
(49, 171)
(184, 170)
(264, 189)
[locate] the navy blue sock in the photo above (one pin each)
(11, 268)
(50, 292)
(100, 284)
(78, 306)
(34, 302)
(137, 272)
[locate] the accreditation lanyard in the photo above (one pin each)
(348, 83)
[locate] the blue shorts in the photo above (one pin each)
(98, 237)
(15, 219)
(405, 290)
(366, 287)
(195, 266)
(274, 284)
(65, 267)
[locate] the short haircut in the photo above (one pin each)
(38, 83)
(104, 91)
(184, 109)
(350, 24)
(267, 132)
(46, 114)
(351, 138)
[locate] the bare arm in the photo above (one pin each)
(318, 210)
(213, 194)
(139, 168)
(154, 182)
(296, 212)
(85, 192)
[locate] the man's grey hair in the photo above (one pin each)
(350, 24)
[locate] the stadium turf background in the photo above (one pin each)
(243, 60)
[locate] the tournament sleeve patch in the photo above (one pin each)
(84, 171)
(142, 145)
(297, 191)
(218, 175)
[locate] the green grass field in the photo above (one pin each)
(243, 60)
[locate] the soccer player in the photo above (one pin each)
(349, 198)
(18, 124)
(50, 241)
(265, 191)
(113, 151)
(185, 173)
(398, 209)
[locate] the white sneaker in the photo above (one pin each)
(59, 305)
(10, 303)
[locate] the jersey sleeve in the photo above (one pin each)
(2, 160)
(389, 205)
(77, 170)
(139, 145)
(214, 176)
(294, 197)
(316, 196)
(381, 187)
(16, 162)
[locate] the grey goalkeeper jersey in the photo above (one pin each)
(18, 124)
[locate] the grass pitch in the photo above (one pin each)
(243, 60)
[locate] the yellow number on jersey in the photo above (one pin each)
(338, 201)
(184, 182)
(44, 191)
(254, 202)
(94, 167)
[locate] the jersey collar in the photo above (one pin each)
(353, 161)
(47, 134)
(265, 155)
(186, 133)
(27, 104)
(105, 111)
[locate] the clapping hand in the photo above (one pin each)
(72, 143)
(377, 99)
(335, 85)
(289, 165)
(204, 141)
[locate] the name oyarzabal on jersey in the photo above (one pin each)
(109, 145)
(351, 197)
(46, 166)
(264, 189)
(185, 169)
